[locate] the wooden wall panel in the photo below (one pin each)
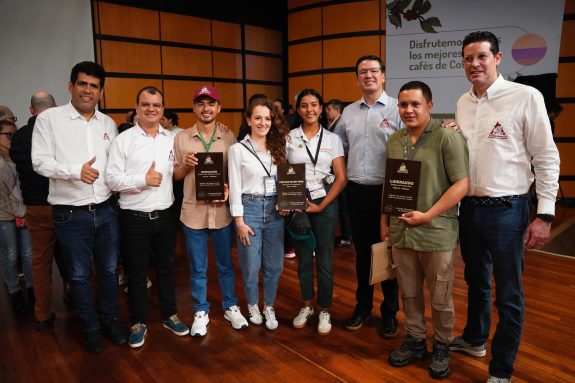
(341, 53)
(263, 40)
(118, 20)
(186, 120)
(565, 80)
(227, 65)
(298, 83)
(187, 61)
(567, 39)
(298, 3)
(186, 29)
(304, 57)
(564, 126)
(131, 57)
(569, 6)
(226, 35)
(120, 93)
(271, 91)
(304, 24)
(263, 68)
(118, 118)
(351, 17)
(232, 120)
(342, 86)
(382, 49)
(178, 93)
(567, 158)
(231, 94)
(568, 188)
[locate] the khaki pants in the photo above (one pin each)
(437, 268)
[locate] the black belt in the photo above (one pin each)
(89, 207)
(151, 215)
(364, 186)
(504, 201)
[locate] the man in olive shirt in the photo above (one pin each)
(424, 239)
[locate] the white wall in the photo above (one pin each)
(40, 42)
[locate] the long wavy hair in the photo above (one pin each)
(276, 136)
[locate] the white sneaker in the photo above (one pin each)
(324, 325)
(271, 321)
(303, 316)
(494, 379)
(200, 325)
(289, 254)
(255, 315)
(235, 317)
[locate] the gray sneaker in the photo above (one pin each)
(494, 379)
(439, 366)
(458, 344)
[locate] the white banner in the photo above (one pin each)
(423, 41)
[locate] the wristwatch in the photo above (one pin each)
(546, 217)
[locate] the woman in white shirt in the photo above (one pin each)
(322, 153)
(252, 169)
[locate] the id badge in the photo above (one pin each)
(269, 186)
(316, 189)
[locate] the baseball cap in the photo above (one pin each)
(207, 91)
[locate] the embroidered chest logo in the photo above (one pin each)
(402, 169)
(498, 133)
(106, 137)
(385, 124)
(171, 156)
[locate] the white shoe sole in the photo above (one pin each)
(477, 354)
(242, 326)
(175, 332)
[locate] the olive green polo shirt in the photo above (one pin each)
(444, 160)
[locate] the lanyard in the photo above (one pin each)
(258, 157)
(314, 160)
(206, 145)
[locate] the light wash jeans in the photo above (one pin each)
(14, 241)
(197, 249)
(265, 250)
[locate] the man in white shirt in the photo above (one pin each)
(507, 131)
(70, 146)
(140, 168)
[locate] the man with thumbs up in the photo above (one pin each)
(70, 146)
(140, 167)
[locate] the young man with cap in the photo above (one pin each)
(140, 167)
(203, 219)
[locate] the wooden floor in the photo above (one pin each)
(288, 355)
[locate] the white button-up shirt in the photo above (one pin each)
(62, 142)
(131, 155)
(246, 174)
(364, 131)
(507, 130)
(296, 153)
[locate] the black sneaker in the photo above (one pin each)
(355, 322)
(93, 342)
(41, 325)
(439, 366)
(19, 304)
(388, 327)
(410, 349)
(115, 332)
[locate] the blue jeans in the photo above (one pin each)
(197, 249)
(86, 237)
(492, 241)
(265, 250)
(14, 241)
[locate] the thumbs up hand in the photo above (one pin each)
(153, 178)
(88, 174)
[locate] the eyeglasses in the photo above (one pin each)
(8, 135)
(481, 58)
(373, 71)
